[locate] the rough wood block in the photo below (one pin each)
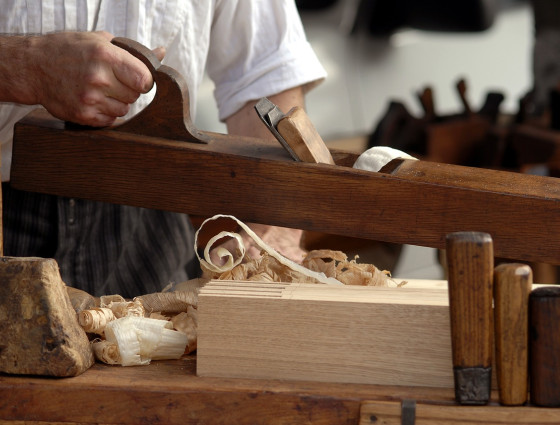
(40, 330)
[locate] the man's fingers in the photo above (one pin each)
(159, 52)
(113, 107)
(131, 72)
(120, 92)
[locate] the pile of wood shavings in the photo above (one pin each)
(155, 326)
(319, 266)
(333, 264)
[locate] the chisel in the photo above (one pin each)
(470, 262)
(512, 286)
(544, 346)
(295, 132)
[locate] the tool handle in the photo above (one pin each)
(470, 267)
(462, 91)
(299, 132)
(426, 98)
(168, 115)
(544, 346)
(512, 286)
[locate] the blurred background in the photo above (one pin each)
(379, 51)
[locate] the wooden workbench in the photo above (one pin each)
(169, 392)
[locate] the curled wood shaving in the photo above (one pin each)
(233, 260)
(95, 320)
(106, 352)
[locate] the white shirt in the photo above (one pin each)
(250, 48)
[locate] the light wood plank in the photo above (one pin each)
(354, 334)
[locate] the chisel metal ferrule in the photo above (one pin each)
(472, 384)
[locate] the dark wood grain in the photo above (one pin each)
(419, 203)
(544, 346)
(168, 115)
(168, 392)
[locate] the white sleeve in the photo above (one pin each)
(258, 48)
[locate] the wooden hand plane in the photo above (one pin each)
(158, 159)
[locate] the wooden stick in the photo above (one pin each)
(512, 286)
(544, 324)
(470, 266)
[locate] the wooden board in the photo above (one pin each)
(169, 393)
(257, 182)
(390, 413)
(328, 333)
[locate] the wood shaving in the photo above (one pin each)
(319, 266)
(95, 320)
(186, 322)
(127, 308)
(106, 352)
(236, 258)
(137, 342)
(332, 264)
(336, 264)
(170, 302)
(105, 300)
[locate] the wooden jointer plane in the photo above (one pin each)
(159, 159)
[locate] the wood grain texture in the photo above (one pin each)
(169, 393)
(327, 333)
(512, 286)
(257, 182)
(168, 114)
(389, 413)
(470, 273)
(299, 132)
(544, 346)
(470, 265)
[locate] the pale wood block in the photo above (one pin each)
(40, 331)
(326, 333)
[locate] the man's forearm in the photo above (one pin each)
(16, 70)
(246, 122)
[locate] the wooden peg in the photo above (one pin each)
(470, 262)
(544, 346)
(512, 286)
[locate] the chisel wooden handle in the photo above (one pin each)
(470, 262)
(300, 133)
(512, 286)
(544, 346)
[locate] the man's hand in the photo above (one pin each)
(77, 76)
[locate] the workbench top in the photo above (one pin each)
(169, 392)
